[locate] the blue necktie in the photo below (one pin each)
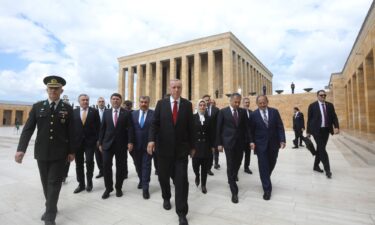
(142, 122)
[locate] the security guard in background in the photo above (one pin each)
(53, 144)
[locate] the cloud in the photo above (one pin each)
(300, 41)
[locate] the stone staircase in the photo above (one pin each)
(362, 149)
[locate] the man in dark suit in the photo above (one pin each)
(173, 126)
(233, 135)
(247, 150)
(212, 111)
(141, 120)
(115, 138)
(298, 127)
(98, 154)
(268, 137)
(322, 121)
(53, 144)
(86, 133)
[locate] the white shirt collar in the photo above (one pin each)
(171, 99)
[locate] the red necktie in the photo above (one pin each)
(174, 113)
(116, 117)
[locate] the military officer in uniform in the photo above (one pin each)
(53, 144)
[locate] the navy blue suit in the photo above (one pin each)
(267, 142)
(142, 159)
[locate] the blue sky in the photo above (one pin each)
(299, 41)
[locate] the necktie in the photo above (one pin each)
(235, 116)
(84, 116)
(142, 121)
(265, 118)
(325, 115)
(174, 113)
(52, 105)
(116, 117)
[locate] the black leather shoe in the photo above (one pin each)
(89, 186)
(167, 205)
(294, 147)
(267, 196)
(47, 222)
(146, 194)
(329, 174)
(139, 185)
(317, 169)
(210, 173)
(247, 170)
(235, 199)
(79, 189)
(197, 181)
(217, 166)
(99, 175)
(106, 194)
(119, 193)
(301, 145)
(182, 220)
(43, 217)
(204, 189)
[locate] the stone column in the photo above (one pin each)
(251, 78)
(211, 72)
(197, 74)
(13, 117)
(227, 71)
(130, 84)
(362, 119)
(350, 104)
(369, 84)
(140, 88)
(121, 81)
(184, 77)
(159, 86)
(1, 117)
(148, 80)
(235, 72)
(172, 69)
(354, 101)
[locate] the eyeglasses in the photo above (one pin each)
(323, 95)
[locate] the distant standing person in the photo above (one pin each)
(268, 137)
(17, 124)
(322, 121)
(292, 86)
(53, 145)
(264, 90)
(298, 127)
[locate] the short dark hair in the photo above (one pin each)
(147, 98)
(128, 103)
(265, 96)
(235, 94)
(317, 93)
(116, 95)
(296, 108)
(205, 96)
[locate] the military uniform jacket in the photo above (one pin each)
(55, 131)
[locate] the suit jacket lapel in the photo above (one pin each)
(179, 110)
(137, 117)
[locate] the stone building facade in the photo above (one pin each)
(12, 111)
(353, 89)
(216, 65)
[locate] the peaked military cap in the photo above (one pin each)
(54, 81)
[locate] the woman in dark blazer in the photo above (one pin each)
(203, 136)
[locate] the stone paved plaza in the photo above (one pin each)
(300, 196)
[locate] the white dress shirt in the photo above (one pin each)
(140, 116)
(322, 112)
(172, 103)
